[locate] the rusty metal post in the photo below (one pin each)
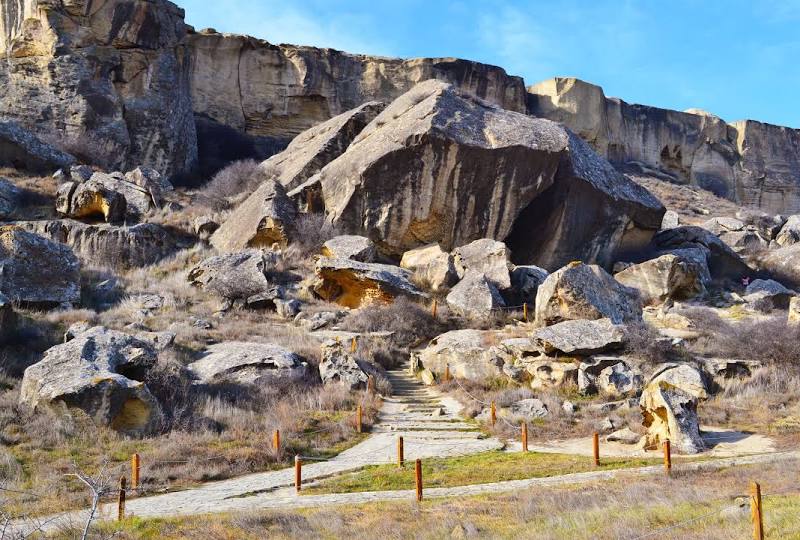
(756, 511)
(121, 500)
(370, 384)
(596, 448)
(447, 373)
(298, 473)
(400, 457)
(418, 477)
(524, 436)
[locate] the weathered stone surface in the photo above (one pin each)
(116, 247)
(618, 380)
(790, 232)
(354, 284)
(8, 319)
(356, 248)
(249, 363)
(768, 293)
(475, 296)
(484, 256)
(552, 373)
(668, 277)
(310, 151)
(525, 281)
(528, 408)
(265, 218)
(748, 162)
(282, 90)
(579, 337)
(101, 372)
(401, 204)
(340, 367)
(205, 226)
(288, 309)
(723, 262)
(20, 149)
(730, 368)
(721, 225)
(236, 276)
(580, 291)
(624, 436)
(36, 271)
(90, 200)
(669, 406)
(431, 266)
(467, 352)
(671, 220)
(9, 197)
(784, 264)
(109, 79)
(794, 310)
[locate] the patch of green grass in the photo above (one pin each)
(495, 466)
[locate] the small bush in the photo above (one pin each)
(311, 232)
(237, 178)
(410, 323)
(643, 343)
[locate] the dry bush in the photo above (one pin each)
(409, 322)
(237, 178)
(311, 231)
(645, 344)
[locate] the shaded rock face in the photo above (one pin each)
(768, 294)
(475, 296)
(419, 174)
(109, 79)
(669, 406)
(36, 271)
(249, 363)
(107, 245)
(748, 162)
(723, 262)
(579, 337)
(432, 266)
(101, 372)
(9, 197)
(525, 281)
(22, 150)
(669, 277)
(609, 375)
(580, 291)
(355, 284)
(265, 218)
(281, 90)
(8, 320)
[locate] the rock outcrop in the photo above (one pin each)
(431, 266)
(340, 367)
(669, 277)
(355, 284)
(249, 363)
(467, 354)
(487, 257)
(101, 372)
(580, 291)
(579, 337)
(357, 248)
(107, 79)
(22, 150)
(749, 162)
(475, 296)
(36, 271)
(722, 261)
(111, 197)
(234, 277)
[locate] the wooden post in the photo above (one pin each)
(667, 457)
(756, 511)
(298, 473)
(493, 413)
(121, 500)
(400, 458)
(353, 345)
(370, 384)
(358, 418)
(525, 311)
(135, 468)
(596, 448)
(276, 440)
(524, 436)
(418, 476)
(433, 308)
(447, 373)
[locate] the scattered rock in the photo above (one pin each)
(624, 436)
(723, 262)
(580, 291)
(608, 375)
(670, 220)
(579, 337)
(355, 248)
(790, 232)
(487, 257)
(768, 294)
(340, 367)
(288, 309)
(552, 373)
(475, 296)
(730, 368)
(529, 408)
(9, 198)
(468, 353)
(101, 372)
(205, 226)
(249, 363)
(236, 276)
(318, 320)
(669, 277)
(568, 407)
(431, 266)
(355, 284)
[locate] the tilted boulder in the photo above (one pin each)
(101, 372)
(416, 175)
(552, 372)
(525, 281)
(487, 257)
(579, 337)
(432, 266)
(723, 262)
(529, 408)
(580, 291)
(113, 196)
(784, 264)
(21, 149)
(265, 218)
(612, 376)
(249, 363)
(668, 277)
(669, 406)
(769, 294)
(468, 353)
(475, 296)
(314, 148)
(237, 276)
(340, 367)
(354, 284)
(356, 248)
(790, 232)
(36, 271)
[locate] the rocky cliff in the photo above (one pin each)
(107, 79)
(748, 162)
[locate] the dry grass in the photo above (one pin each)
(240, 177)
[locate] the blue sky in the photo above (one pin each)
(734, 58)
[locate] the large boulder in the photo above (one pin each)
(669, 406)
(579, 337)
(668, 277)
(21, 149)
(431, 266)
(525, 281)
(101, 372)
(485, 256)
(236, 276)
(468, 353)
(340, 367)
(580, 291)
(354, 284)
(36, 271)
(784, 264)
(768, 294)
(723, 262)
(552, 372)
(357, 248)
(249, 363)
(108, 80)
(9, 198)
(417, 174)
(790, 232)
(265, 218)
(310, 151)
(475, 296)
(113, 197)
(612, 376)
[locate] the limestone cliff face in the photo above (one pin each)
(282, 90)
(748, 162)
(104, 78)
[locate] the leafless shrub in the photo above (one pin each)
(237, 178)
(644, 344)
(311, 232)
